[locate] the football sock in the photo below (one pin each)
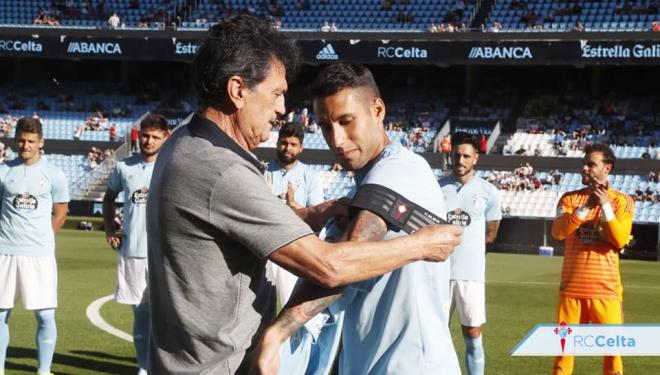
(46, 338)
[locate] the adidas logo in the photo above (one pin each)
(327, 53)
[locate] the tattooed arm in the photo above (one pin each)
(309, 299)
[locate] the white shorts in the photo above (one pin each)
(469, 299)
(32, 279)
(132, 275)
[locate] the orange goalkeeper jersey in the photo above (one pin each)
(591, 245)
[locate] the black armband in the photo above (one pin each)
(398, 212)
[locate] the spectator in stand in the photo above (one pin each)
(483, 144)
(508, 148)
(433, 28)
(655, 26)
(114, 21)
(579, 27)
(333, 26)
(496, 27)
(112, 131)
(652, 177)
(135, 131)
(326, 27)
(445, 148)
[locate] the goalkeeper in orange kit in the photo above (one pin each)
(595, 224)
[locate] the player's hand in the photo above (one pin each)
(113, 240)
(290, 196)
(438, 241)
(337, 208)
(599, 192)
(266, 356)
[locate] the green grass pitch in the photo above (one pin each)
(521, 292)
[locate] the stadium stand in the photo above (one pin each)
(80, 111)
(87, 14)
(528, 201)
(561, 125)
(554, 15)
(367, 15)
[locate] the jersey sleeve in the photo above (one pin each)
(315, 189)
(566, 221)
(114, 182)
(251, 214)
(60, 187)
(494, 207)
(617, 231)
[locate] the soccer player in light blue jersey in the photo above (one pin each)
(35, 199)
(396, 323)
(296, 184)
(473, 204)
(132, 177)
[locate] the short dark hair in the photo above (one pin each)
(608, 154)
(29, 125)
(463, 138)
(292, 130)
(244, 46)
(154, 121)
(339, 76)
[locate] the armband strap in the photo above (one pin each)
(397, 211)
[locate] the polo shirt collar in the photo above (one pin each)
(200, 126)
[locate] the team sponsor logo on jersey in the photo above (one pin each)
(590, 232)
(140, 196)
(25, 201)
(459, 217)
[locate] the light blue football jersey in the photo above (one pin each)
(132, 176)
(471, 206)
(306, 183)
(28, 194)
(397, 323)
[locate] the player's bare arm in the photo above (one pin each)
(309, 299)
(60, 211)
(109, 207)
(492, 227)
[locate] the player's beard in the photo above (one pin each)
(149, 153)
(286, 160)
(466, 172)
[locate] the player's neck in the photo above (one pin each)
(287, 167)
(465, 178)
(148, 158)
(32, 161)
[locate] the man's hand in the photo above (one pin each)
(266, 356)
(290, 196)
(320, 214)
(113, 240)
(599, 192)
(439, 241)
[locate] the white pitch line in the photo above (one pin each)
(94, 315)
(547, 283)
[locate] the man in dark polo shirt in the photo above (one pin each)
(212, 222)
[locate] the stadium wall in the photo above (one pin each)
(623, 48)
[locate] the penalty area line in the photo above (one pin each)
(94, 315)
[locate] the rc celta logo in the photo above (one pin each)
(590, 340)
(563, 331)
